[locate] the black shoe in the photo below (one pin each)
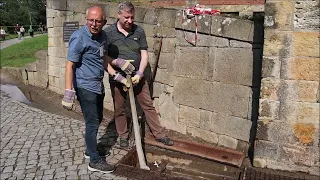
(87, 155)
(165, 140)
(124, 143)
(101, 166)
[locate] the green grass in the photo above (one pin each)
(24, 52)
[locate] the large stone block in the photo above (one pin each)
(111, 10)
(266, 150)
(80, 6)
(281, 13)
(231, 126)
(159, 88)
(50, 13)
(302, 69)
(168, 45)
(50, 22)
(212, 96)
(232, 28)
(271, 67)
(151, 16)
(165, 32)
(301, 112)
(306, 44)
(306, 15)
(204, 23)
(306, 134)
(58, 21)
(233, 65)
(57, 4)
(54, 71)
(189, 116)
(302, 91)
(203, 39)
(227, 142)
(203, 134)
(166, 61)
(240, 44)
(276, 43)
(139, 14)
(167, 18)
(280, 132)
(191, 62)
(73, 16)
(165, 76)
(206, 120)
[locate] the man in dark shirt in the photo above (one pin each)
(126, 40)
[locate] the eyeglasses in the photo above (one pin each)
(98, 22)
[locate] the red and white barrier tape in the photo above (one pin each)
(195, 11)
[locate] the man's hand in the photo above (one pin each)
(68, 99)
(119, 78)
(136, 79)
(125, 66)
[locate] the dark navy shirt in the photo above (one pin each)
(126, 47)
(87, 52)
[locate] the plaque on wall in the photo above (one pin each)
(68, 29)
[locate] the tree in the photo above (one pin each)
(19, 12)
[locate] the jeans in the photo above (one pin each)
(142, 94)
(92, 109)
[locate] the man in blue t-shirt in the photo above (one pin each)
(85, 66)
(127, 40)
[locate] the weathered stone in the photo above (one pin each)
(191, 62)
(268, 109)
(271, 67)
(306, 134)
(232, 28)
(305, 91)
(56, 32)
(166, 18)
(233, 66)
(206, 120)
(266, 150)
(139, 14)
(31, 78)
(203, 134)
(81, 6)
(165, 76)
(151, 30)
(158, 89)
(280, 132)
(73, 16)
(189, 116)
(31, 67)
(57, 4)
(285, 166)
(270, 88)
(50, 22)
(204, 23)
(50, 13)
(276, 42)
(166, 61)
(262, 130)
(111, 10)
(165, 32)
(151, 16)
(306, 44)
(168, 45)
(227, 141)
(58, 21)
(212, 96)
(302, 69)
(203, 39)
(301, 112)
(259, 163)
(242, 146)
(54, 71)
(306, 15)
(231, 126)
(281, 12)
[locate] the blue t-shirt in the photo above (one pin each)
(87, 52)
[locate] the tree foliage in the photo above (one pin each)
(19, 12)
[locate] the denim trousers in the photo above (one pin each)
(142, 93)
(92, 108)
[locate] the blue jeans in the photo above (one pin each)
(92, 108)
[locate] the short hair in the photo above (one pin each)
(125, 6)
(103, 12)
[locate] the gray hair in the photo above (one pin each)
(125, 6)
(103, 12)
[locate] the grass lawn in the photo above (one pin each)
(24, 52)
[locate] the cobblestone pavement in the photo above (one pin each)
(40, 145)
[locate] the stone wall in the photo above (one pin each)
(205, 91)
(288, 125)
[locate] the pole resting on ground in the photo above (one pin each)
(136, 128)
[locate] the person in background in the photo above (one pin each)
(127, 40)
(31, 31)
(3, 34)
(84, 72)
(22, 31)
(17, 30)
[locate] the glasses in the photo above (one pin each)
(98, 22)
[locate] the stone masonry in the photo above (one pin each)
(288, 125)
(213, 91)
